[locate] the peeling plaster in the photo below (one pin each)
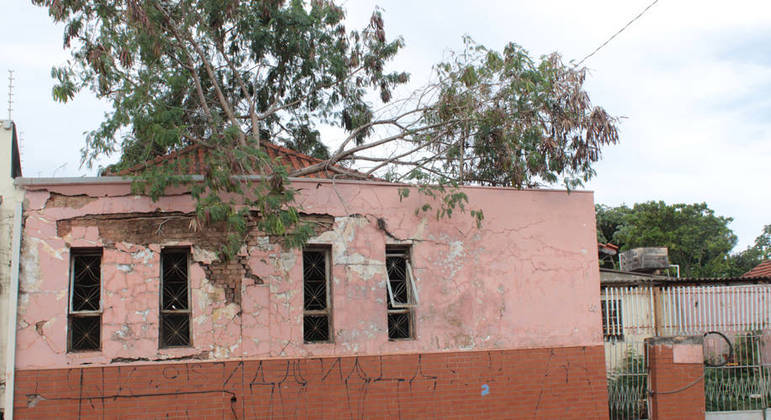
(126, 268)
(71, 201)
(203, 256)
(511, 284)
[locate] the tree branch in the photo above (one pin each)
(207, 65)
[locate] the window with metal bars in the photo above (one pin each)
(612, 322)
(85, 310)
(175, 298)
(317, 323)
(402, 294)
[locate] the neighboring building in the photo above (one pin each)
(761, 270)
(636, 306)
(125, 309)
(10, 198)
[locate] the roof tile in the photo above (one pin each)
(762, 269)
(196, 154)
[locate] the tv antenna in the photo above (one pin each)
(10, 93)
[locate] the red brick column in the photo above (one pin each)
(676, 375)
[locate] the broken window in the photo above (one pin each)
(402, 294)
(316, 296)
(612, 323)
(85, 311)
(175, 300)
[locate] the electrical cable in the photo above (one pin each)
(616, 34)
(696, 381)
(706, 363)
(730, 350)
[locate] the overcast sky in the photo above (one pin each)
(692, 80)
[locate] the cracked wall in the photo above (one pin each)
(527, 278)
(557, 383)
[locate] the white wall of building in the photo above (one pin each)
(10, 196)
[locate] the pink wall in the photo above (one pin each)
(527, 278)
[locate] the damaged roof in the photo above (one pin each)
(191, 161)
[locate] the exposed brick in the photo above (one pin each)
(678, 388)
(532, 383)
(158, 227)
(71, 201)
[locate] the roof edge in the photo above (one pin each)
(85, 180)
(15, 154)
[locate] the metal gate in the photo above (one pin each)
(627, 319)
(744, 383)
(627, 376)
(742, 313)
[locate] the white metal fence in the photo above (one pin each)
(692, 310)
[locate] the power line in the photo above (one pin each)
(617, 33)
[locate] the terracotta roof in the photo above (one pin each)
(761, 270)
(190, 161)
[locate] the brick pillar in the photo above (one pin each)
(676, 375)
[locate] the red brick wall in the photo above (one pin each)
(534, 383)
(678, 393)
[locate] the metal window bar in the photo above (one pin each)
(317, 302)
(175, 299)
(402, 293)
(412, 295)
(85, 305)
(613, 327)
(634, 311)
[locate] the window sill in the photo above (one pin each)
(84, 352)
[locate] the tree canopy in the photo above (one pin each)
(745, 260)
(698, 240)
(231, 75)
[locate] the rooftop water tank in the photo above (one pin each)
(644, 260)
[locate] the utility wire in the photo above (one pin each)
(681, 389)
(616, 34)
